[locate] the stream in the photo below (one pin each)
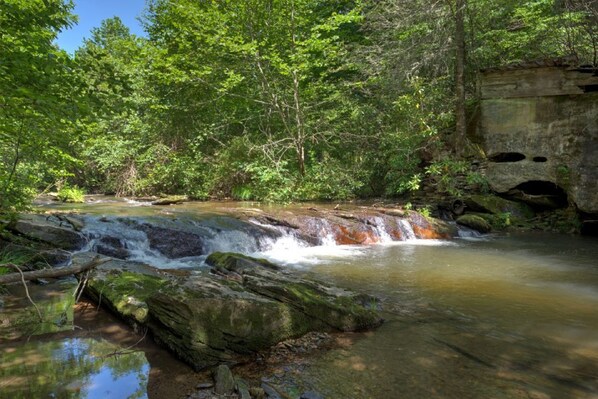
(497, 316)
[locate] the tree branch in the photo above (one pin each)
(48, 273)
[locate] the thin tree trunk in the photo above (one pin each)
(461, 121)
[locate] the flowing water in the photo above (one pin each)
(505, 316)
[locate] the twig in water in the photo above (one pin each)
(124, 350)
(41, 319)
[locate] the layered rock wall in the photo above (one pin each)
(540, 132)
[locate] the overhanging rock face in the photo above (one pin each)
(540, 131)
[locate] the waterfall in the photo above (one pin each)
(185, 241)
(380, 230)
(406, 230)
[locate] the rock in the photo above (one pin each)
(210, 319)
(40, 228)
(242, 388)
(123, 287)
(475, 222)
(497, 205)
(535, 131)
(173, 243)
(257, 392)
(311, 395)
(74, 221)
(223, 380)
(171, 200)
(113, 247)
(270, 391)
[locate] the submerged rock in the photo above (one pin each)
(54, 301)
(208, 319)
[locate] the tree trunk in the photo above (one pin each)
(48, 273)
(461, 121)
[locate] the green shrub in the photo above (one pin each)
(71, 194)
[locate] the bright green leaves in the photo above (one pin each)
(36, 100)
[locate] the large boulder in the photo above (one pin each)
(475, 222)
(497, 205)
(173, 243)
(49, 231)
(245, 306)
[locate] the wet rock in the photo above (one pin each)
(171, 200)
(210, 319)
(55, 301)
(204, 385)
(40, 228)
(224, 382)
(475, 222)
(113, 247)
(173, 243)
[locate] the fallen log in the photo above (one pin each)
(47, 273)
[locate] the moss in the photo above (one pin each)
(237, 262)
(497, 205)
(475, 222)
(126, 292)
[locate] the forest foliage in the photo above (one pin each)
(249, 99)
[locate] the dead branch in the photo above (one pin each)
(48, 273)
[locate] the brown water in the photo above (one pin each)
(512, 316)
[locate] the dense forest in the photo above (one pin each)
(274, 100)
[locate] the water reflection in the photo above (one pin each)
(72, 368)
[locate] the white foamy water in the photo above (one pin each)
(309, 256)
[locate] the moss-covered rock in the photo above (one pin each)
(497, 205)
(474, 222)
(247, 306)
(171, 200)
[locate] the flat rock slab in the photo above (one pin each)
(245, 306)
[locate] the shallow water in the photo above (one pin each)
(502, 317)
(72, 368)
(513, 316)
